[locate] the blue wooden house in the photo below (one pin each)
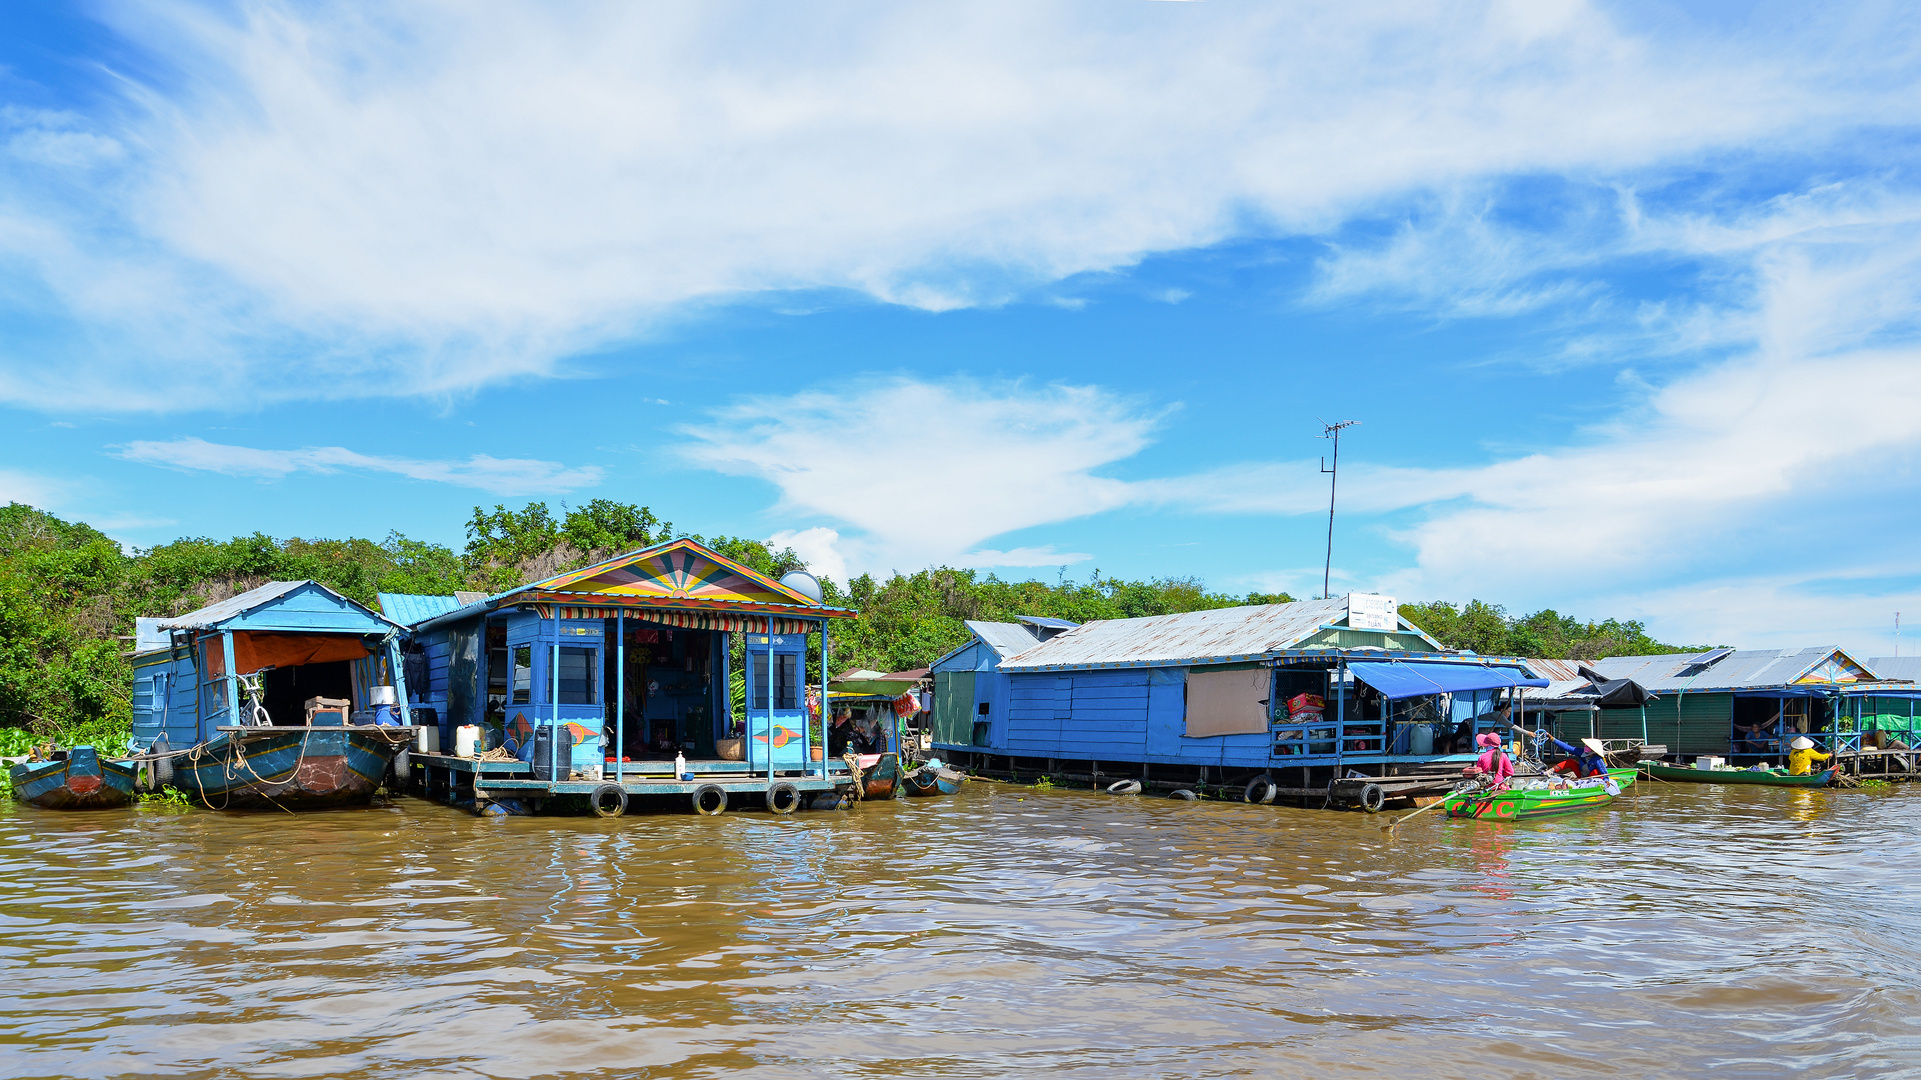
(228, 687)
(1205, 696)
(626, 664)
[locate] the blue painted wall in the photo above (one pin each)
(1117, 714)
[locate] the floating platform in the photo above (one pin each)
(510, 787)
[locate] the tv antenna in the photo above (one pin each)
(1897, 633)
(1331, 431)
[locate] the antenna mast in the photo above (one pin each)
(1331, 431)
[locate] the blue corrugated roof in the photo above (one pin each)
(410, 608)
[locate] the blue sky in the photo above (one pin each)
(1624, 297)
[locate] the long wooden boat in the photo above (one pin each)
(1528, 797)
(1683, 775)
(289, 768)
(77, 780)
(879, 774)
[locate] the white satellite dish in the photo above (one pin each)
(803, 583)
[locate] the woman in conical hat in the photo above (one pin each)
(1802, 756)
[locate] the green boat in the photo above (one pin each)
(1536, 796)
(1681, 774)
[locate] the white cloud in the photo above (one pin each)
(426, 197)
(500, 476)
(1023, 557)
(927, 471)
(818, 547)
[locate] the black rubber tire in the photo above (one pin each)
(783, 798)
(1372, 797)
(1184, 795)
(710, 793)
(403, 768)
(1124, 787)
(1261, 790)
(600, 793)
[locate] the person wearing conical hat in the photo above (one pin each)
(1802, 755)
(1587, 759)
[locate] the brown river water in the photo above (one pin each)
(1002, 932)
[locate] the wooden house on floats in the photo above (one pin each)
(595, 682)
(1279, 698)
(1747, 704)
(286, 696)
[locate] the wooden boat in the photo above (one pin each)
(77, 779)
(1528, 797)
(879, 774)
(931, 780)
(1684, 775)
(289, 768)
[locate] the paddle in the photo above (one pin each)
(1389, 827)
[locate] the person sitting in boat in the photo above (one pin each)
(1493, 764)
(1802, 755)
(1585, 760)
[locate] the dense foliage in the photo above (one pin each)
(1489, 630)
(69, 595)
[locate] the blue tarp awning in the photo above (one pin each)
(1397, 679)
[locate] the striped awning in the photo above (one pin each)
(690, 620)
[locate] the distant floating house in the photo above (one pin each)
(1317, 686)
(1751, 702)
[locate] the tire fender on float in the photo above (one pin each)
(1372, 797)
(1124, 787)
(783, 798)
(1261, 790)
(598, 800)
(1184, 795)
(710, 800)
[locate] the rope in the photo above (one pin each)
(853, 765)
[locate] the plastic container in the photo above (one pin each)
(466, 740)
(386, 714)
(553, 756)
(1420, 740)
(427, 740)
(382, 695)
(680, 767)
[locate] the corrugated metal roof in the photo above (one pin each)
(1742, 670)
(215, 614)
(1897, 667)
(1049, 622)
(1220, 635)
(412, 607)
(1005, 638)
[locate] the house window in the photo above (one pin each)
(523, 674)
(576, 676)
(786, 681)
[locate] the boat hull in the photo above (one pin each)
(305, 769)
(925, 783)
(84, 781)
(1678, 775)
(879, 775)
(1527, 803)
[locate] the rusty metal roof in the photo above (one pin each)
(1223, 635)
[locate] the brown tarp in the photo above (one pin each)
(256, 649)
(1227, 702)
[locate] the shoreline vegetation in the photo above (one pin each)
(69, 595)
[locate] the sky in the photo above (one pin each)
(1622, 297)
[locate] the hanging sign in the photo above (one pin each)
(1372, 611)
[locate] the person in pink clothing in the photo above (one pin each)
(1493, 762)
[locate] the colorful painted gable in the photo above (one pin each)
(679, 570)
(1837, 667)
